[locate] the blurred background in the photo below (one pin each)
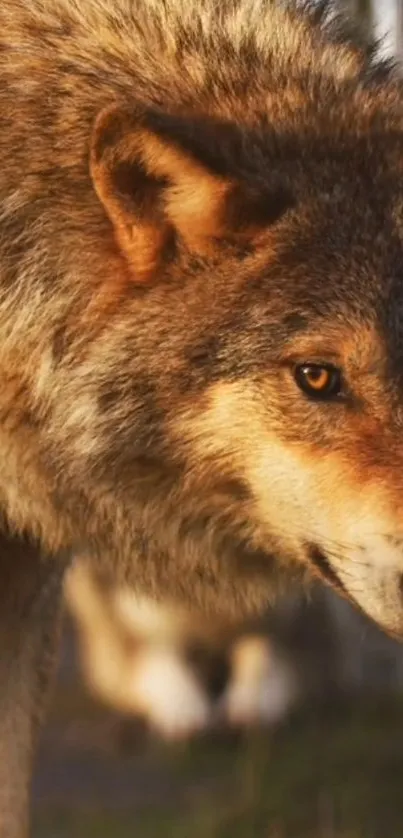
(163, 724)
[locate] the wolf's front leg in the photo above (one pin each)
(30, 589)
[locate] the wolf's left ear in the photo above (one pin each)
(158, 190)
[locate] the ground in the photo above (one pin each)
(332, 772)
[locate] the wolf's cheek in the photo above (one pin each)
(334, 510)
(352, 534)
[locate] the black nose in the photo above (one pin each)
(321, 564)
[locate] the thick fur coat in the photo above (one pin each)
(201, 312)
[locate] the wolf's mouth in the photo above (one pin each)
(322, 566)
(375, 590)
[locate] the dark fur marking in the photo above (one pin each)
(261, 206)
(139, 189)
(60, 344)
(295, 322)
(235, 489)
(323, 566)
(109, 138)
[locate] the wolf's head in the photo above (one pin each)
(222, 388)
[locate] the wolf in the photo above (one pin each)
(184, 673)
(201, 318)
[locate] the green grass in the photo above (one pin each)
(334, 777)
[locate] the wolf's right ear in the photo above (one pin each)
(158, 190)
(152, 190)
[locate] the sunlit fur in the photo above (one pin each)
(193, 197)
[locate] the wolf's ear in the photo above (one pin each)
(158, 190)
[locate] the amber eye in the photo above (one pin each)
(319, 381)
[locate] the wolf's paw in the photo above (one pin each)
(171, 699)
(262, 687)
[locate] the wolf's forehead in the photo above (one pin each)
(354, 338)
(347, 250)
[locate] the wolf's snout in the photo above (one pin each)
(371, 576)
